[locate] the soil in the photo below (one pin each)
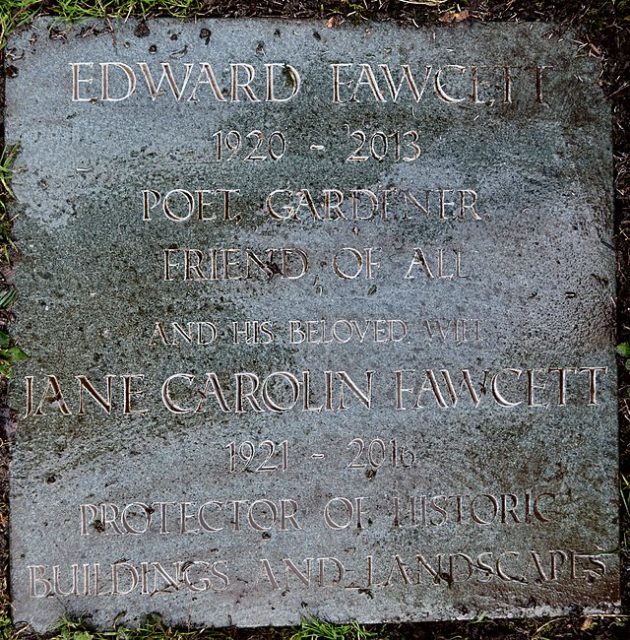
(603, 27)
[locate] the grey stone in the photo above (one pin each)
(480, 391)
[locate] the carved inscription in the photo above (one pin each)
(423, 573)
(316, 392)
(320, 325)
(219, 205)
(280, 82)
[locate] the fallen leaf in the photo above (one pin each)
(454, 16)
(587, 624)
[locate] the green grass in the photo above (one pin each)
(7, 158)
(624, 491)
(6, 631)
(15, 13)
(154, 629)
(75, 9)
(313, 629)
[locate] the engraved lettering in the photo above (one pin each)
(77, 81)
(129, 76)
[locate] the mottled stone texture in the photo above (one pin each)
(439, 442)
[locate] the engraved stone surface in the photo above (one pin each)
(320, 322)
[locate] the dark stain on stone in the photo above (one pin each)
(600, 279)
(141, 30)
(316, 35)
(153, 49)
(11, 71)
(448, 578)
(57, 34)
(205, 34)
(274, 269)
(180, 53)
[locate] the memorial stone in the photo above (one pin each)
(320, 322)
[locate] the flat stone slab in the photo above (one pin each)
(320, 322)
